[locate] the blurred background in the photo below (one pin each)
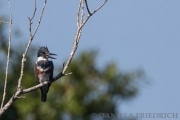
(127, 60)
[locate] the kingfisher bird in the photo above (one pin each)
(44, 70)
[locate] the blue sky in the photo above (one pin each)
(134, 33)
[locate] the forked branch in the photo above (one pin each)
(83, 16)
(32, 34)
(81, 21)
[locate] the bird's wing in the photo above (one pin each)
(51, 70)
(36, 71)
(44, 68)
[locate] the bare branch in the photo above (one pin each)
(17, 95)
(82, 12)
(78, 14)
(30, 40)
(34, 87)
(80, 24)
(8, 56)
(9, 103)
(19, 89)
(81, 21)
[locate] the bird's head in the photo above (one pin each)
(44, 52)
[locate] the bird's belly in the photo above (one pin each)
(43, 77)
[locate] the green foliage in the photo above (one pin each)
(88, 90)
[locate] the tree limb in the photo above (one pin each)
(81, 21)
(8, 55)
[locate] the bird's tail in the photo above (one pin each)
(43, 93)
(43, 97)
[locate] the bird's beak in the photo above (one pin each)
(49, 55)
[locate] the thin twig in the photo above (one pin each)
(8, 55)
(34, 13)
(105, 1)
(31, 19)
(40, 18)
(87, 7)
(4, 22)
